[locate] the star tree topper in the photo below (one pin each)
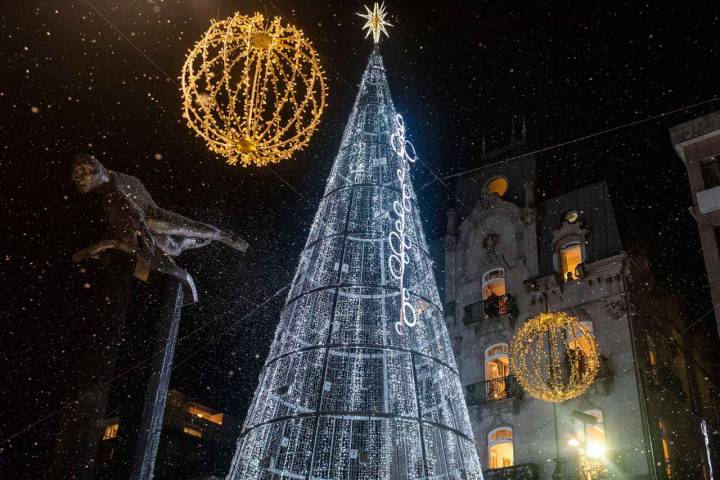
(375, 21)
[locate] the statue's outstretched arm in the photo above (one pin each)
(165, 222)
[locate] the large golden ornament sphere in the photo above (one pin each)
(253, 89)
(554, 357)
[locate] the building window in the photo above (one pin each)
(665, 444)
(201, 412)
(589, 429)
(711, 172)
(497, 368)
(579, 347)
(571, 257)
(495, 301)
(493, 283)
(111, 431)
(498, 186)
(192, 432)
(500, 448)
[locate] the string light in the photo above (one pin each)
(554, 357)
(398, 238)
(376, 23)
(253, 89)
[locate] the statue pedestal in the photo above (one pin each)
(124, 374)
(151, 329)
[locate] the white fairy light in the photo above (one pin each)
(398, 238)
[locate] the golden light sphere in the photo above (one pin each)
(554, 357)
(253, 89)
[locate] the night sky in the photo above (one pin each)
(72, 83)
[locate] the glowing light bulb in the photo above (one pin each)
(595, 450)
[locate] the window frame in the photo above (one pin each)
(485, 281)
(488, 357)
(561, 259)
(493, 443)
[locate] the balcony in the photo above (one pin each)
(489, 390)
(579, 468)
(491, 307)
(526, 471)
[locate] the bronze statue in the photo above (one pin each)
(137, 226)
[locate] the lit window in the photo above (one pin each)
(200, 412)
(498, 186)
(493, 283)
(111, 431)
(571, 216)
(665, 449)
(500, 448)
(582, 340)
(497, 368)
(590, 434)
(495, 301)
(580, 347)
(192, 432)
(570, 260)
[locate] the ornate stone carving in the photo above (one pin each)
(529, 212)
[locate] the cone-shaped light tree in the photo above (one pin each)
(361, 381)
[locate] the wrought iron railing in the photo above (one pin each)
(495, 389)
(526, 471)
(492, 307)
(580, 468)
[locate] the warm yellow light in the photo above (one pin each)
(192, 432)
(554, 357)
(501, 455)
(595, 450)
(216, 418)
(253, 89)
(571, 257)
(111, 431)
(497, 186)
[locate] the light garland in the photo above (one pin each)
(554, 357)
(253, 89)
(398, 238)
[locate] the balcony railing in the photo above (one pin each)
(579, 468)
(492, 307)
(495, 389)
(526, 471)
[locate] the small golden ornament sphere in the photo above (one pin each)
(253, 89)
(554, 357)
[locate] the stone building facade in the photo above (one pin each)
(508, 257)
(697, 143)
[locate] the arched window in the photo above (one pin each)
(579, 345)
(500, 448)
(493, 293)
(493, 283)
(497, 368)
(497, 185)
(571, 256)
(580, 340)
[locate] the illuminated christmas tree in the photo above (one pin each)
(361, 381)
